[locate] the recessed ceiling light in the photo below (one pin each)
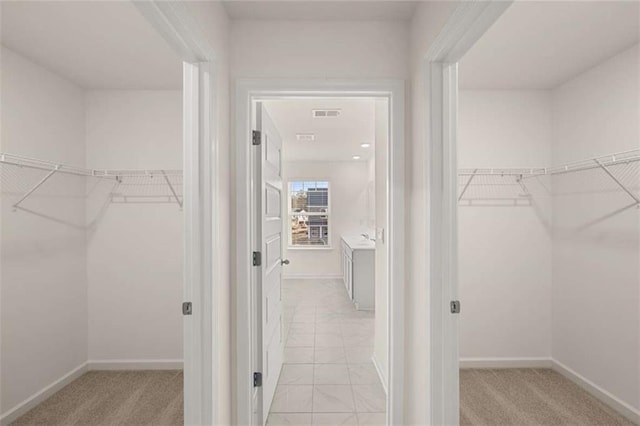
(365, 145)
(305, 137)
(356, 157)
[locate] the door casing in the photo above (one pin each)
(467, 24)
(247, 93)
(175, 23)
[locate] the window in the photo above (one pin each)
(309, 214)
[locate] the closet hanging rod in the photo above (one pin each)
(50, 166)
(596, 162)
(504, 171)
(575, 166)
(58, 168)
(34, 163)
(603, 163)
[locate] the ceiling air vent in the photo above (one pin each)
(325, 113)
(305, 137)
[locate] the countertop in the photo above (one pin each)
(358, 242)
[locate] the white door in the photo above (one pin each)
(269, 225)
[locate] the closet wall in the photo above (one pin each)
(596, 239)
(42, 259)
(134, 258)
(560, 279)
(85, 280)
(505, 250)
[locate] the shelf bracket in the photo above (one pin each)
(36, 186)
(114, 188)
(617, 181)
(173, 191)
(466, 186)
(524, 188)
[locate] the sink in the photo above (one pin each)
(359, 242)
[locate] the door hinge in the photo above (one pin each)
(455, 306)
(257, 380)
(257, 258)
(187, 308)
(256, 137)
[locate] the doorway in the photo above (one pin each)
(299, 318)
(566, 181)
(104, 282)
(599, 192)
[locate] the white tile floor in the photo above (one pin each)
(328, 377)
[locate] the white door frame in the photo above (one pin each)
(176, 25)
(467, 24)
(247, 91)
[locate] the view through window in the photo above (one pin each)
(309, 213)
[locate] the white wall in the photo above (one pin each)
(317, 49)
(42, 262)
(596, 268)
(504, 250)
(348, 182)
(371, 194)
(134, 257)
(381, 343)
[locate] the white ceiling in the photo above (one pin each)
(95, 44)
(336, 139)
(358, 10)
(542, 44)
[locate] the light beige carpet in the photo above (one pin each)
(510, 397)
(529, 397)
(113, 398)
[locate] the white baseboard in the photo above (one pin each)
(620, 406)
(40, 396)
(506, 362)
(383, 378)
(135, 364)
(312, 277)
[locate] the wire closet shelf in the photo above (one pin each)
(152, 185)
(128, 185)
(615, 167)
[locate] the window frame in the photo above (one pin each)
(291, 213)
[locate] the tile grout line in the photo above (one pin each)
(313, 378)
(353, 394)
(335, 324)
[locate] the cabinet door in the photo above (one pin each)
(350, 278)
(344, 274)
(344, 269)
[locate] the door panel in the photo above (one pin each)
(269, 232)
(273, 203)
